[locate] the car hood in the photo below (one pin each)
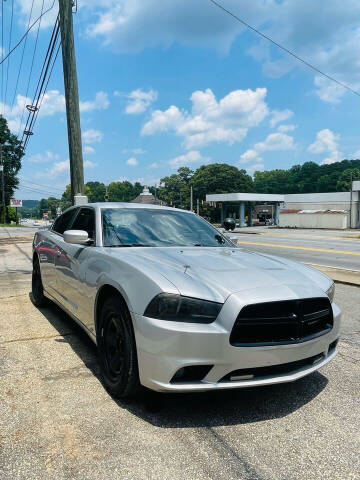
(214, 273)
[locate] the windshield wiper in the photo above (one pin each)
(129, 245)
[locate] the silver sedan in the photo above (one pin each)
(174, 305)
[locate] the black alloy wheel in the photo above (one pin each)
(37, 289)
(117, 349)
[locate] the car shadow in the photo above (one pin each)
(191, 410)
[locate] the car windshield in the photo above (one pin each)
(146, 227)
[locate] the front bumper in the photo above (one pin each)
(165, 347)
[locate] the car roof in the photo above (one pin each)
(143, 206)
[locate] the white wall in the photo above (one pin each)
(336, 221)
(325, 201)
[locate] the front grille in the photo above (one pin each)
(276, 323)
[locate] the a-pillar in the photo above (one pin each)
(242, 214)
(276, 213)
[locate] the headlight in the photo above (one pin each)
(176, 308)
(331, 292)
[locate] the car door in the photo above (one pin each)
(48, 249)
(70, 276)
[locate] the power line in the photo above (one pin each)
(43, 93)
(33, 108)
(31, 69)
(26, 33)
(22, 59)
(10, 36)
(35, 190)
(263, 35)
(2, 55)
(42, 185)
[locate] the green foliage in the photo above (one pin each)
(308, 178)
(221, 178)
(47, 205)
(124, 191)
(11, 214)
(12, 153)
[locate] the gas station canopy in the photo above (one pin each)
(241, 199)
(244, 197)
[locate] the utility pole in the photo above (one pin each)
(197, 206)
(71, 97)
(191, 199)
(2, 183)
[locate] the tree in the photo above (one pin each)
(95, 191)
(273, 181)
(47, 205)
(345, 179)
(12, 153)
(175, 189)
(220, 178)
(124, 191)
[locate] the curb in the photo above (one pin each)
(339, 275)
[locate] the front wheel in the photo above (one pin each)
(37, 289)
(117, 349)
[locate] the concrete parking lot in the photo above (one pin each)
(58, 422)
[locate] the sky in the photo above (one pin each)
(168, 84)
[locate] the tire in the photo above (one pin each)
(37, 289)
(117, 349)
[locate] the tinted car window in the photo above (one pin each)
(63, 222)
(85, 221)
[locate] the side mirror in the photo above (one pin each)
(77, 237)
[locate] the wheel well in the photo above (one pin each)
(104, 293)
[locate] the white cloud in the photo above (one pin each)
(88, 150)
(328, 91)
(251, 169)
(227, 120)
(132, 162)
(188, 159)
(52, 103)
(249, 156)
(326, 142)
(92, 136)
(356, 155)
(100, 102)
(154, 165)
(275, 142)
(286, 128)
(89, 164)
(139, 101)
(47, 20)
(278, 116)
(129, 26)
(46, 157)
(135, 151)
(60, 169)
(330, 41)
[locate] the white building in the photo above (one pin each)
(338, 210)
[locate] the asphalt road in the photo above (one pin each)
(58, 422)
(332, 248)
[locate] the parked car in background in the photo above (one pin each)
(173, 305)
